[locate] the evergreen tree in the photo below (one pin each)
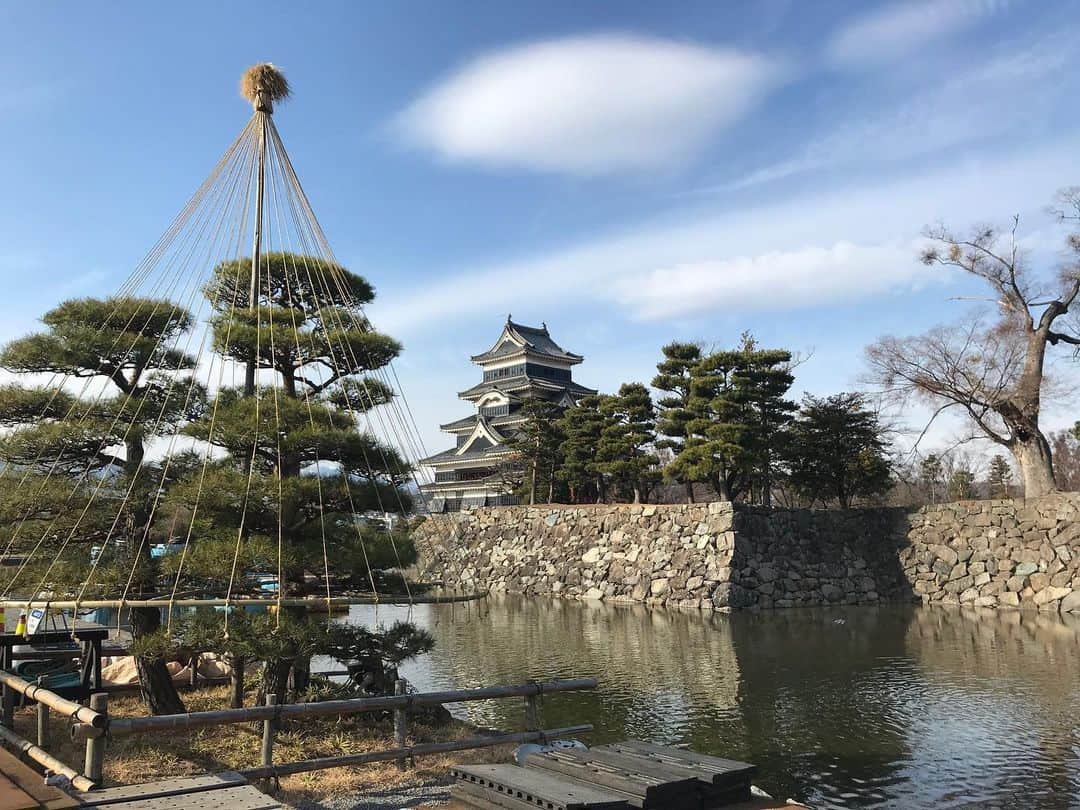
(625, 450)
(838, 451)
(83, 481)
(999, 476)
(293, 471)
(931, 471)
(737, 413)
(582, 427)
(674, 377)
(535, 450)
(961, 485)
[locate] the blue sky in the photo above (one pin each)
(629, 173)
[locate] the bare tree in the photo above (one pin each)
(993, 369)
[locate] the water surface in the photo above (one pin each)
(890, 706)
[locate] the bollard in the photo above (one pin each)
(94, 762)
(43, 716)
(399, 724)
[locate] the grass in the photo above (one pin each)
(160, 755)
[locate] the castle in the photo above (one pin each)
(524, 362)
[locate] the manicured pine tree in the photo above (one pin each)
(294, 472)
(79, 479)
(625, 450)
(581, 427)
(675, 377)
(838, 451)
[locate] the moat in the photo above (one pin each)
(889, 706)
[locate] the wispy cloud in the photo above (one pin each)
(587, 105)
(885, 34)
(965, 108)
(805, 252)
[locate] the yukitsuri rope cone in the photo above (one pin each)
(195, 311)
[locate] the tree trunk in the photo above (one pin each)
(158, 691)
(275, 681)
(1036, 465)
(236, 682)
(689, 491)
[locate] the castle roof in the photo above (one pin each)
(519, 339)
(522, 382)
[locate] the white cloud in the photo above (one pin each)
(885, 34)
(775, 280)
(587, 105)
(808, 251)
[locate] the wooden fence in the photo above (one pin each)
(93, 725)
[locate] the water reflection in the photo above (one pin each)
(855, 707)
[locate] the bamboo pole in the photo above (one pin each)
(268, 736)
(94, 762)
(399, 724)
(423, 749)
(123, 727)
(67, 708)
(27, 750)
(343, 601)
(42, 717)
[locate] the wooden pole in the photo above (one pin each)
(267, 757)
(532, 714)
(124, 726)
(256, 247)
(42, 717)
(8, 719)
(423, 749)
(400, 724)
(238, 604)
(94, 762)
(27, 750)
(63, 706)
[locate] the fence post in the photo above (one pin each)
(399, 724)
(94, 763)
(268, 737)
(532, 713)
(43, 716)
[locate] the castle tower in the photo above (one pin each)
(524, 362)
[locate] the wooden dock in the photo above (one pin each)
(621, 776)
(23, 788)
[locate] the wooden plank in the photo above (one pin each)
(166, 787)
(483, 798)
(716, 770)
(13, 798)
(33, 783)
(539, 789)
(644, 790)
(239, 797)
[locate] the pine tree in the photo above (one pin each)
(999, 476)
(737, 413)
(83, 481)
(961, 485)
(625, 450)
(581, 427)
(838, 451)
(535, 450)
(293, 471)
(675, 377)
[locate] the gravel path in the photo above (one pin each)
(429, 794)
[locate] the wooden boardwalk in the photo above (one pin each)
(23, 788)
(621, 776)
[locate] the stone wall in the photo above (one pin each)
(997, 553)
(716, 556)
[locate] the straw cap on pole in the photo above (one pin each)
(262, 85)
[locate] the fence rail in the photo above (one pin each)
(94, 726)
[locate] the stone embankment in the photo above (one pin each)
(718, 556)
